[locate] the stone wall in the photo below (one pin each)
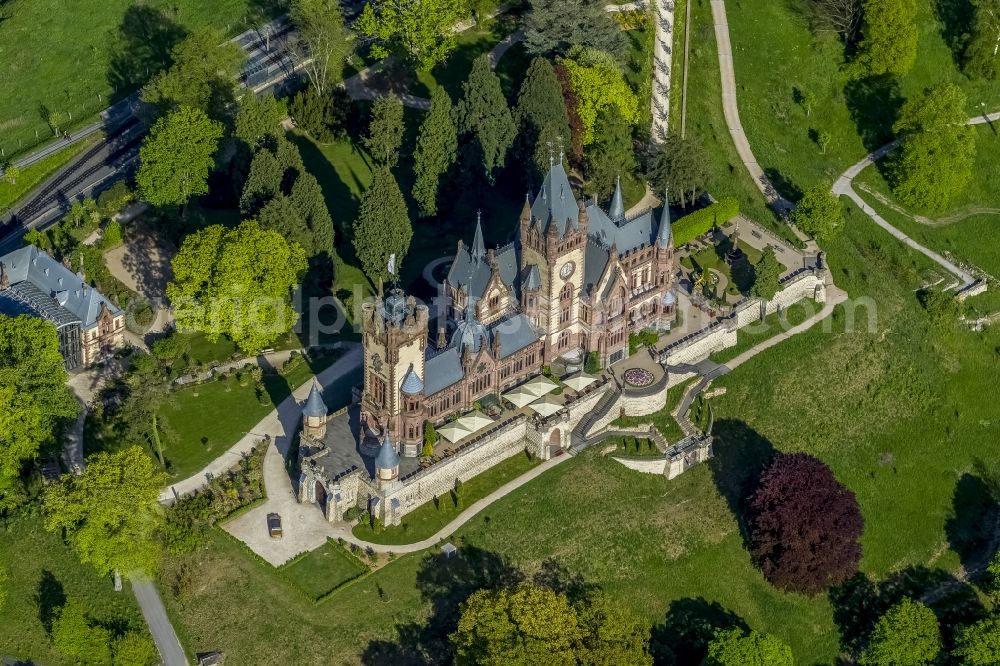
(398, 499)
(644, 465)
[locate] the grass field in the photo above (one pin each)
(43, 573)
(39, 171)
(64, 59)
(428, 519)
(662, 420)
(323, 570)
(752, 335)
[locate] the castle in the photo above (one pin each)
(575, 281)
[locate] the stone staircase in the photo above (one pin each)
(580, 437)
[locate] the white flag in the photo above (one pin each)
(392, 264)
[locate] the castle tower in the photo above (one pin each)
(664, 264)
(314, 414)
(395, 332)
(386, 463)
(412, 428)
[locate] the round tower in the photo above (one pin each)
(314, 414)
(386, 462)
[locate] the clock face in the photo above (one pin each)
(567, 270)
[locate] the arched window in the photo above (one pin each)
(567, 292)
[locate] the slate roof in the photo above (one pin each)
(556, 203)
(617, 210)
(514, 334)
(531, 279)
(471, 270)
(57, 290)
(665, 233)
(412, 384)
(470, 333)
(627, 234)
(315, 407)
(595, 260)
(387, 457)
(442, 371)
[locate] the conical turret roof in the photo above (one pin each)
(665, 235)
(315, 407)
(387, 457)
(412, 384)
(617, 210)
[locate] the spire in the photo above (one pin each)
(315, 407)
(387, 457)
(617, 211)
(665, 237)
(478, 249)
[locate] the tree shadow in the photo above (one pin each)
(782, 185)
(740, 453)
(140, 47)
(445, 583)
(860, 602)
(956, 16)
(555, 576)
(50, 597)
(971, 526)
(874, 104)
(682, 638)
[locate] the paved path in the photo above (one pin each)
(731, 110)
(662, 64)
(281, 421)
(845, 186)
(167, 643)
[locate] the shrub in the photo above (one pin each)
(593, 365)
(700, 222)
(116, 197)
(112, 235)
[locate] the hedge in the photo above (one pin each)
(700, 222)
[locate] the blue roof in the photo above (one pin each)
(470, 334)
(514, 334)
(387, 457)
(617, 210)
(626, 234)
(412, 384)
(669, 298)
(665, 235)
(556, 203)
(442, 371)
(315, 407)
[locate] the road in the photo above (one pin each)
(167, 642)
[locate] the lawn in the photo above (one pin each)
(752, 335)
(426, 520)
(662, 420)
(33, 175)
(76, 62)
(740, 275)
(323, 570)
(43, 573)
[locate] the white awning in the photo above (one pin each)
(580, 381)
(531, 391)
(465, 426)
(546, 406)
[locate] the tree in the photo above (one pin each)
(382, 228)
(437, 145)
(823, 139)
(611, 155)
(422, 31)
(841, 16)
(803, 525)
(555, 26)
(133, 649)
(483, 113)
(889, 39)
(236, 282)
(385, 131)
(430, 438)
(279, 214)
(110, 513)
(148, 391)
(11, 172)
(177, 156)
(767, 272)
(941, 307)
(734, 647)
(979, 644)
(22, 432)
(979, 60)
(819, 212)
(258, 120)
(934, 163)
(322, 40)
(74, 636)
(907, 635)
(679, 167)
(323, 117)
(540, 115)
(308, 200)
(30, 362)
(598, 84)
(202, 76)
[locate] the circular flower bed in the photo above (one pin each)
(638, 377)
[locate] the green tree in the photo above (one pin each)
(540, 115)
(598, 84)
(323, 41)
(259, 119)
(733, 647)
(979, 60)
(22, 432)
(133, 649)
(422, 31)
(323, 117)
(679, 166)
(280, 214)
(907, 635)
(555, 26)
(202, 75)
(611, 155)
(979, 644)
(177, 156)
(823, 139)
(767, 272)
(307, 197)
(148, 391)
(11, 173)
(74, 636)
(934, 163)
(110, 513)
(819, 212)
(889, 39)
(382, 228)
(437, 145)
(484, 114)
(385, 130)
(236, 282)
(430, 438)
(526, 625)
(30, 361)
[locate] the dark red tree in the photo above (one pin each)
(575, 123)
(804, 525)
